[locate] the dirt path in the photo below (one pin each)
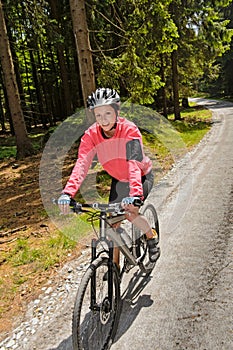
(187, 303)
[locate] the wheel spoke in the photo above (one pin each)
(94, 328)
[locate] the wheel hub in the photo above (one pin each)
(105, 311)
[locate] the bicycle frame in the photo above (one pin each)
(118, 241)
(115, 237)
(108, 235)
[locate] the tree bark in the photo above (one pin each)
(54, 4)
(2, 119)
(163, 89)
(175, 85)
(80, 29)
(2, 114)
(23, 143)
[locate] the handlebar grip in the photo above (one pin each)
(138, 202)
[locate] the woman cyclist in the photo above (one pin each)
(117, 143)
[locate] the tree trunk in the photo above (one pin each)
(16, 68)
(175, 85)
(164, 97)
(2, 118)
(7, 109)
(23, 143)
(62, 61)
(45, 89)
(78, 13)
(2, 114)
(38, 101)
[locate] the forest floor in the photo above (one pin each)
(24, 227)
(31, 249)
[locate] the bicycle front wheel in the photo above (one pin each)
(142, 250)
(94, 324)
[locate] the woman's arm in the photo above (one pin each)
(86, 154)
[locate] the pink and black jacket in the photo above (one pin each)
(121, 156)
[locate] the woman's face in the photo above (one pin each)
(105, 117)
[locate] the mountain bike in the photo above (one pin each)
(97, 304)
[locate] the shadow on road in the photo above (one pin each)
(66, 344)
(133, 302)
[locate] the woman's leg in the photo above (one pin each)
(141, 222)
(119, 190)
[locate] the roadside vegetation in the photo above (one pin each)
(31, 247)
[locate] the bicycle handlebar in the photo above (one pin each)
(108, 208)
(102, 207)
(111, 207)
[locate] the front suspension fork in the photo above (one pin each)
(94, 244)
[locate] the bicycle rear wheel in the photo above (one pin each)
(142, 250)
(95, 327)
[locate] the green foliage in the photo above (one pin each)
(221, 83)
(7, 152)
(146, 35)
(203, 36)
(131, 43)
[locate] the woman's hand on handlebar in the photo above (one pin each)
(64, 203)
(131, 206)
(135, 201)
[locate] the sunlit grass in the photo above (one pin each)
(27, 259)
(194, 125)
(26, 252)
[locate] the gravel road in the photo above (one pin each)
(187, 302)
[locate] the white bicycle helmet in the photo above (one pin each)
(102, 97)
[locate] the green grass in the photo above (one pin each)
(27, 261)
(8, 147)
(77, 229)
(49, 251)
(194, 125)
(7, 152)
(166, 140)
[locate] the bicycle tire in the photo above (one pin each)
(93, 330)
(142, 250)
